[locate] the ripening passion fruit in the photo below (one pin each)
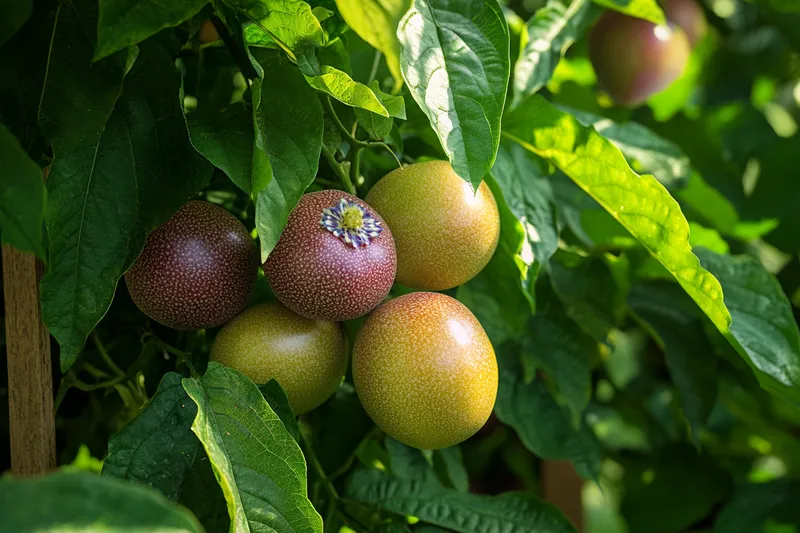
(634, 58)
(196, 270)
(306, 357)
(444, 232)
(689, 16)
(335, 260)
(425, 370)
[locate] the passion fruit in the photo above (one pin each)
(425, 370)
(335, 260)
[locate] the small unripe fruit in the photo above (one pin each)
(306, 357)
(634, 58)
(335, 260)
(208, 33)
(444, 232)
(425, 370)
(196, 270)
(689, 16)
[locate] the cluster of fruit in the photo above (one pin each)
(634, 58)
(422, 365)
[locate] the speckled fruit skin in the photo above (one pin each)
(306, 357)
(445, 234)
(634, 59)
(689, 16)
(319, 276)
(196, 270)
(425, 370)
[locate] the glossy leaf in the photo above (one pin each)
(376, 22)
(16, 13)
(450, 468)
(548, 34)
(539, 421)
(122, 165)
(341, 86)
(125, 23)
(643, 9)
(455, 61)
(84, 503)
(763, 329)
(159, 450)
(512, 512)
(639, 203)
(671, 319)
(290, 21)
(259, 465)
(279, 403)
(22, 197)
(375, 125)
(291, 119)
(409, 463)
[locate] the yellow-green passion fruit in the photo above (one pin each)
(306, 357)
(444, 233)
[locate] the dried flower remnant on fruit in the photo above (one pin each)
(351, 223)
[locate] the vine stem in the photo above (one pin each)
(107, 358)
(326, 101)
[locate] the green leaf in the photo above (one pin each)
(290, 21)
(17, 12)
(259, 465)
(671, 319)
(159, 450)
(279, 403)
(455, 61)
(755, 504)
(22, 198)
(291, 119)
(377, 126)
(341, 86)
(409, 463)
(81, 502)
(539, 421)
(450, 468)
(548, 35)
(692, 484)
(639, 203)
(763, 329)
(643, 9)
(512, 512)
(127, 22)
(116, 175)
(337, 429)
(376, 22)
(785, 6)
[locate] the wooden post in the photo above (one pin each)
(562, 487)
(30, 382)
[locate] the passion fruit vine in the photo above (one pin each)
(335, 260)
(196, 270)
(445, 232)
(425, 370)
(306, 357)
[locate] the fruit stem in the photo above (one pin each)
(355, 168)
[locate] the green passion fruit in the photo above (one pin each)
(425, 370)
(444, 232)
(306, 357)
(196, 270)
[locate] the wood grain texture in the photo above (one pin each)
(30, 384)
(562, 486)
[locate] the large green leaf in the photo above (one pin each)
(258, 463)
(84, 503)
(671, 319)
(547, 35)
(15, 14)
(376, 22)
(539, 421)
(22, 197)
(763, 329)
(127, 22)
(639, 203)
(755, 504)
(158, 449)
(291, 120)
(455, 61)
(512, 512)
(290, 21)
(341, 86)
(643, 9)
(115, 176)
